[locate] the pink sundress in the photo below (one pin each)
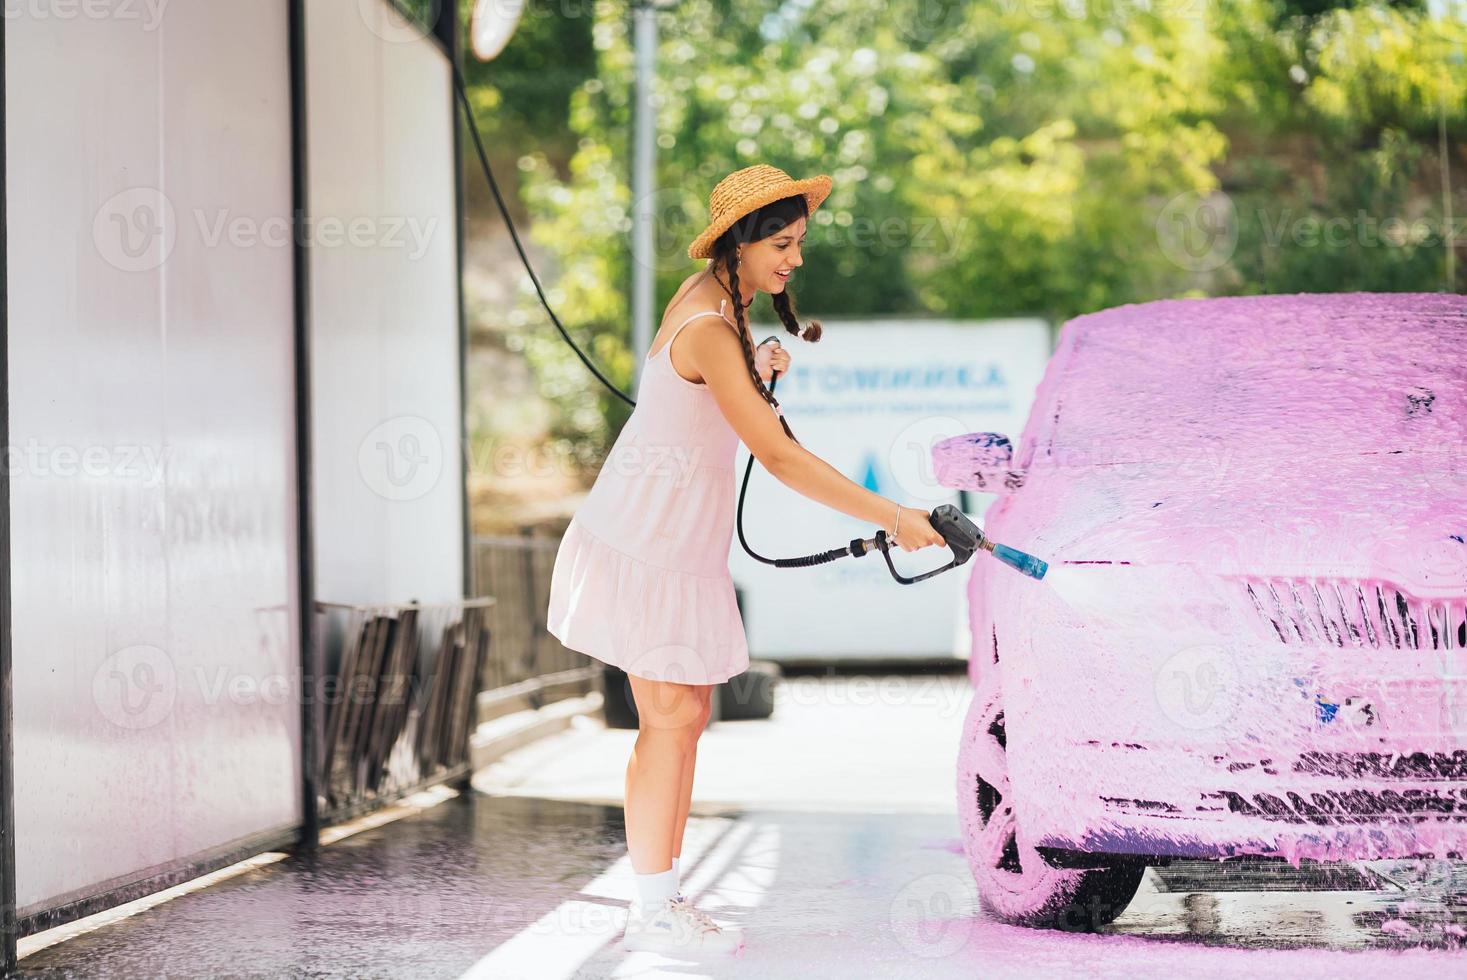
(641, 578)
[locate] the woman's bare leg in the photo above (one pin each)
(685, 793)
(670, 717)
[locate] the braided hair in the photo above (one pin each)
(757, 226)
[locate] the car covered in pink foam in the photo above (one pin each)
(1252, 638)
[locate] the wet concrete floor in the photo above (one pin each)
(514, 887)
(850, 868)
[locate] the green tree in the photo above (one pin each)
(993, 159)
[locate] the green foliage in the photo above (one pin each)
(989, 159)
(522, 97)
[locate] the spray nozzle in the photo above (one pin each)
(963, 538)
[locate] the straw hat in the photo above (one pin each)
(749, 190)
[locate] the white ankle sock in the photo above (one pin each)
(677, 874)
(656, 888)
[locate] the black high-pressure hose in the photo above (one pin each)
(804, 562)
(463, 97)
(961, 535)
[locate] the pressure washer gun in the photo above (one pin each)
(963, 537)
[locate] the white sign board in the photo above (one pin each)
(871, 398)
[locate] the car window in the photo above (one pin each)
(1210, 375)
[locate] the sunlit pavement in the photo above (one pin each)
(833, 844)
(827, 833)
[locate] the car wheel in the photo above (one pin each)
(617, 706)
(1015, 884)
(750, 694)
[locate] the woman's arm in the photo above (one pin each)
(719, 357)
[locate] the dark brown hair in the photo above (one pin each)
(753, 227)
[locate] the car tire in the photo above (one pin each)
(617, 706)
(751, 694)
(1015, 884)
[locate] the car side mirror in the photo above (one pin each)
(982, 461)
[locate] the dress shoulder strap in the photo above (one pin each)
(721, 305)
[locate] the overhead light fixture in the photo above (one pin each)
(493, 25)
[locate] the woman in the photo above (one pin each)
(641, 578)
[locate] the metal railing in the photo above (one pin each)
(516, 571)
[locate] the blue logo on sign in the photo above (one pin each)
(869, 480)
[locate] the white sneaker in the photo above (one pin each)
(707, 921)
(677, 927)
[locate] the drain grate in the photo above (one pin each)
(1261, 875)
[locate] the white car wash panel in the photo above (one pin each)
(384, 313)
(151, 463)
(871, 398)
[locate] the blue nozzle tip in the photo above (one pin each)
(1028, 564)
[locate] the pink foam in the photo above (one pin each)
(1179, 452)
